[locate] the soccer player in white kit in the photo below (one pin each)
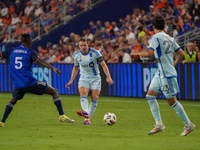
(163, 47)
(88, 59)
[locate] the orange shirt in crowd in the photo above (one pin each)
(162, 4)
(176, 2)
(8, 21)
(137, 48)
(55, 59)
(151, 33)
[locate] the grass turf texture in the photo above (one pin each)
(33, 125)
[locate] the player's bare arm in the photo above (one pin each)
(46, 64)
(73, 76)
(147, 53)
(181, 55)
(106, 71)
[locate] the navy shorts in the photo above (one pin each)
(39, 88)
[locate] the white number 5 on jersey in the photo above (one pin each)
(18, 62)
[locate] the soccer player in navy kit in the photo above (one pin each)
(21, 59)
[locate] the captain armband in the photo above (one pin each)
(99, 60)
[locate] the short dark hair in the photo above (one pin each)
(26, 39)
(159, 22)
(83, 39)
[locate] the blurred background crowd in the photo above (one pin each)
(114, 40)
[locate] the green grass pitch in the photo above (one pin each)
(33, 125)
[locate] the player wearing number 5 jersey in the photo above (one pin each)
(163, 47)
(21, 59)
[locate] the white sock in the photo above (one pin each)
(92, 107)
(154, 109)
(84, 103)
(181, 113)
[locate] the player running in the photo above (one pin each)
(163, 47)
(88, 59)
(21, 59)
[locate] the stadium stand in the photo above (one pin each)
(129, 33)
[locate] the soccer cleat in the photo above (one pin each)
(187, 130)
(83, 113)
(2, 124)
(87, 122)
(156, 129)
(65, 119)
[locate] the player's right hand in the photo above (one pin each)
(68, 84)
(57, 71)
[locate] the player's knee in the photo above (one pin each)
(171, 101)
(13, 101)
(95, 97)
(55, 93)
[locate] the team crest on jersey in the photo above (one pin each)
(80, 58)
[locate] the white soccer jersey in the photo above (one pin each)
(164, 47)
(88, 63)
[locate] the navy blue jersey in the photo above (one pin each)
(21, 59)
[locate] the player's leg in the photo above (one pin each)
(95, 86)
(94, 100)
(173, 89)
(40, 88)
(154, 107)
(17, 95)
(83, 87)
(57, 101)
(84, 102)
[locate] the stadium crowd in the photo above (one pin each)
(21, 16)
(116, 40)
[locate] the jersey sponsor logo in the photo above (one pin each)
(90, 65)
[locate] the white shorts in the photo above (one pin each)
(90, 83)
(168, 86)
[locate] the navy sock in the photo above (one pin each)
(8, 109)
(58, 104)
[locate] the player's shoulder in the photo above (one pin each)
(95, 51)
(75, 54)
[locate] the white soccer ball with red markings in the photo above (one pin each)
(110, 118)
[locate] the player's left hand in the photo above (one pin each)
(57, 71)
(109, 80)
(134, 52)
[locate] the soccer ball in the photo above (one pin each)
(110, 118)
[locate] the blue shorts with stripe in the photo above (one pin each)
(168, 86)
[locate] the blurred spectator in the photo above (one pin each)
(68, 58)
(15, 20)
(129, 34)
(169, 26)
(4, 10)
(93, 27)
(7, 19)
(28, 9)
(141, 33)
(186, 24)
(126, 58)
(135, 46)
(19, 9)
(190, 54)
(99, 26)
(11, 8)
(38, 10)
(51, 56)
